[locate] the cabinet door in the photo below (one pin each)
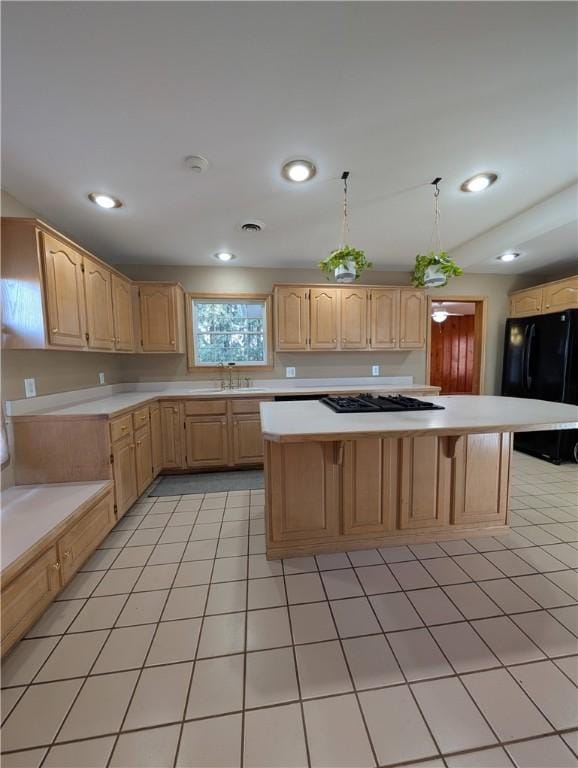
(353, 318)
(247, 439)
(292, 318)
(425, 483)
(158, 318)
(526, 303)
(384, 318)
(26, 597)
(156, 440)
(207, 442)
(124, 470)
(171, 435)
(144, 459)
(481, 479)
(64, 293)
(324, 318)
(84, 537)
(561, 295)
(98, 293)
(123, 314)
(412, 320)
(370, 486)
(302, 491)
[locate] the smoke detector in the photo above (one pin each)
(196, 163)
(253, 226)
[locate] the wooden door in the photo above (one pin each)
(99, 316)
(412, 319)
(370, 486)
(27, 596)
(561, 295)
(171, 435)
(158, 318)
(353, 318)
(425, 483)
(247, 439)
(124, 470)
(123, 314)
(291, 318)
(453, 355)
(384, 318)
(84, 537)
(143, 459)
(324, 318)
(156, 440)
(206, 441)
(65, 309)
(302, 491)
(526, 303)
(481, 483)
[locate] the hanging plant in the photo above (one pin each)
(346, 263)
(433, 269)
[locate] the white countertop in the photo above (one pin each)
(312, 420)
(116, 403)
(30, 512)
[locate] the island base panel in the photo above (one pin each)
(332, 496)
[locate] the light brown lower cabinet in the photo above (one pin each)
(83, 537)
(351, 494)
(171, 435)
(206, 441)
(156, 439)
(247, 439)
(124, 472)
(143, 459)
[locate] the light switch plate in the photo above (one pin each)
(290, 372)
(30, 387)
(375, 370)
(101, 378)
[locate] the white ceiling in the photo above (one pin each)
(112, 96)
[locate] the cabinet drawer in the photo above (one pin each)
(120, 427)
(25, 597)
(140, 417)
(205, 407)
(84, 537)
(248, 406)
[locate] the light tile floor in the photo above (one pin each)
(180, 645)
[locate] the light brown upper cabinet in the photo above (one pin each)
(292, 317)
(411, 319)
(384, 318)
(122, 309)
(546, 298)
(99, 317)
(64, 292)
(353, 318)
(324, 307)
(162, 307)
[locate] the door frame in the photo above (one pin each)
(480, 340)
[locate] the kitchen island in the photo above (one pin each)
(338, 482)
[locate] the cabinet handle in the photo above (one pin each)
(123, 428)
(334, 340)
(175, 410)
(68, 554)
(143, 418)
(55, 330)
(173, 342)
(138, 443)
(56, 566)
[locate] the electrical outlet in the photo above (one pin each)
(101, 378)
(290, 372)
(30, 387)
(375, 370)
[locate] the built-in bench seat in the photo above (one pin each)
(48, 531)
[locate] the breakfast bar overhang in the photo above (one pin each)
(338, 482)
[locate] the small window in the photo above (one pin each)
(232, 329)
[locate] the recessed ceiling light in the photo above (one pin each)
(224, 256)
(298, 170)
(104, 201)
(509, 256)
(479, 182)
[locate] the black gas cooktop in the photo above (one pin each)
(377, 403)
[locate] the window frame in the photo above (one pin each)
(266, 298)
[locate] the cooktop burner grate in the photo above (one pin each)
(377, 403)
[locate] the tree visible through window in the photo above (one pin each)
(230, 331)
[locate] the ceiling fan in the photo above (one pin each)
(439, 314)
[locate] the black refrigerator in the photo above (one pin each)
(541, 362)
